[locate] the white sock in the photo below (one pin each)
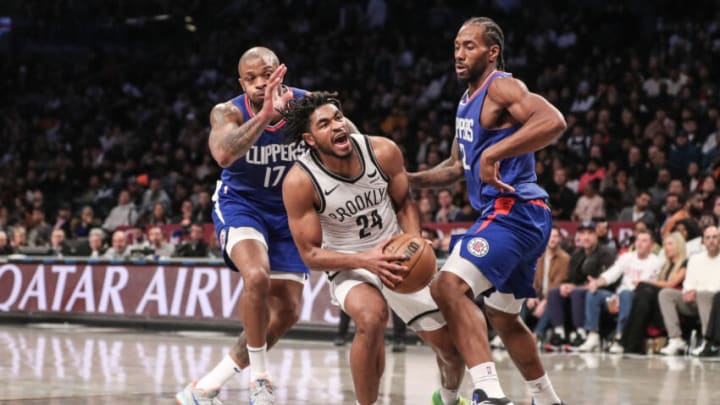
(358, 403)
(216, 378)
(256, 355)
(560, 331)
(449, 397)
(485, 377)
(543, 391)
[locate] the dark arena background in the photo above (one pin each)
(113, 287)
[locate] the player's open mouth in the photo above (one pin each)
(341, 140)
(460, 68)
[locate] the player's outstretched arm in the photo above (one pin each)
(444, 174)
(391, 162)
(542, 123)
(301, 199)
(230, 137)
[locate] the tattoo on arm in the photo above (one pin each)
(237, 141)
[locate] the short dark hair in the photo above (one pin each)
(298, 112)
(493, 35)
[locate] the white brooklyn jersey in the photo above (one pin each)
(355, 214)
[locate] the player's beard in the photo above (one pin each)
(323, 150)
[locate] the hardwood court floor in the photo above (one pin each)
(73, 365)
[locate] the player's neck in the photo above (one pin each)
(474, 85)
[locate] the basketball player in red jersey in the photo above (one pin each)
(498, 126)
(345, 198)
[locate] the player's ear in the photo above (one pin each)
(493, 53)
(308, 138)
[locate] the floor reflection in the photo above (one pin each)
(77, 365)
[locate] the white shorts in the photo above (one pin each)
(236, 235)
(417, 310)
(478, 283)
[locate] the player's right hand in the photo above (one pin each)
(386, 266)
(276, 96)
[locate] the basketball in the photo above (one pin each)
(420, 261)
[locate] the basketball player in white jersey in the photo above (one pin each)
(345, 199)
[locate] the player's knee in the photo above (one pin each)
(503, 322)
(289, 314)
(256, 281)
(442, 288)
(371, 322)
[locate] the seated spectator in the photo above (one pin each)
(5, 248)
(57, 239)
(552, 271)
(195, 246)
(19, 238)
(692, 234)
(158, 216)
(590, 204)
(432, 235)
(589, 260)
(701, 283)
(710, 347)
(185, 218)
(631, 268)
(154, 194)
(691, 208)
(602, 229)
(645, 306)
(95, 242)
(156, 246)
(123, 214)
(86, 223)
(64, 218)
(446, 211)
(118, 249)
(640, 211)
(562, 198)
(39, 231)
(709, 193)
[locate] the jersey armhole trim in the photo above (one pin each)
(371, 153)
(316, 186)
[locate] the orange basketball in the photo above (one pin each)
(420, 261)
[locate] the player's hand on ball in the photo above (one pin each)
(385, 265)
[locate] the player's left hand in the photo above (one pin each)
(490, 175)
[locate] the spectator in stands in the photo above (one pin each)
(692, 234)
(710, 346)
(659, 190)
(57, 242)
(425, 209)
(701, 283)
(645, 306)
(595, 173)
(185, 218)
(446, 211)
(158, 216)
(708, 189)
(195, 246)
(86, 223)
(590, 260)
(630, 268)
(157, 243)
(19, 238)
(64, 218)
(552, 271)
(5, 248)
(716, 209)
(154, 194)
(39, 233)
(123, 214)
(602, 229)
(692, 208)
(640, 211)
(590, 204)
(562, 198)
(682, 152)
(203, 210)
(118, 250)
(95, 243)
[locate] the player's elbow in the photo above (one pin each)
(223, 160)
(558, 125)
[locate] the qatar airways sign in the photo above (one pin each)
(145, 292)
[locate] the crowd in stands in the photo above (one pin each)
(104, 126)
